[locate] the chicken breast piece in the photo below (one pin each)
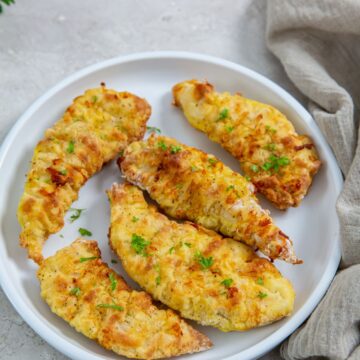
(213, 280)
(280, 163)
(190, 184)
(94, 129)
(97, 302)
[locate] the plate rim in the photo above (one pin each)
(75, 352)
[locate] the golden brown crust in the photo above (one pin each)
(74, 282)
(190, 184)
(92, 131)
(185, 266)
(280, 163)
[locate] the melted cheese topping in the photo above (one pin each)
(92, 298)
(213, 280)
(280, 163)
(190, 184)
(92, 131)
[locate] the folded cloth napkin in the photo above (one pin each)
(318, 43)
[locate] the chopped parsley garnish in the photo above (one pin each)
(83, 259)
(162, 145)
(71, 147)
(262, 295)
(63, 172)
(135, 219)
(139, 244)
(110, 306)
(275, 162)
(113, 281)
(61, 235)
(179, 186)
(75, 291)
(230, 187)
(157, 280)
(84, 232)
(254, 168)
(204, 261)
(227, 282)
(153, 129)
(269, 128)
(260, 281)
(248, 178)
(121, 153)
(76, 215)
(229, 129)
(224, 113)
(175, 149)
(94, 99)
(187, 244)
(212, 161)
(270, 147)
(113, 261)
(194, 168)
(172, 249)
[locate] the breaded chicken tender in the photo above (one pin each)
(97, 302)
(94, 129)
(190, 184)
(213, 280)
(280, 163)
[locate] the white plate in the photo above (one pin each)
(313, 226)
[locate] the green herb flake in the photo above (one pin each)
(175, 149)
(157, 280)
(212, 161)
(229, 129)
(113, 281)
(113, 261)
(262, 295)
(274, 163)
(75, 291)
(179, 186)
(172, 249)
(76, 215)
(270, 129)
(162, 145)
(139, 244)
(204, 261)
(153, 129)
(224, 113)
(254, 168)
(227, 282)
(71, 147)
(248, 178)
(135, 219)
(230, 187)
(121, 153)
(85, 232)
(83, 259)
(270, 147)
(260, 281)
(187, 244)
(94, 99)
(61, 235)
(194, 168)
(110, 306)
(63, 172)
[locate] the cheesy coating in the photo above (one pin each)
(93, 130)
(97, 302)
(280, 163)
(190, 184)
(213, 280)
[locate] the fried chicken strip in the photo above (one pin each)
(280, 163)
(190, 184)
(213, 280)
(94, 129)
(97, 302)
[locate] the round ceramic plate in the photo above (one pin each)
(313, 226)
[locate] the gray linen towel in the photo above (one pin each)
(318, 43)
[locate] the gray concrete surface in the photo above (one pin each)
(43, 41)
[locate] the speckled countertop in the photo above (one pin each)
(43, 41)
